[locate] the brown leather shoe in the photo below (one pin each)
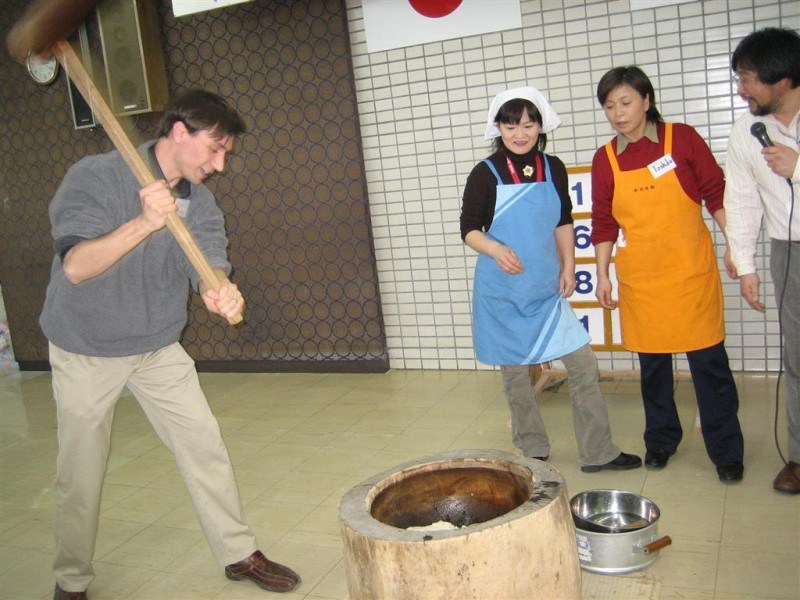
(62, 595)
(788, 480)
(264, 573)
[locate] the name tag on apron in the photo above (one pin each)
(665, 164)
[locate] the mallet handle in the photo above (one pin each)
(77, 73)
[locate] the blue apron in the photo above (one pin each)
(523, 319)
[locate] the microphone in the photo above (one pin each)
(759, 131)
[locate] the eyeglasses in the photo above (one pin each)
(743, 81)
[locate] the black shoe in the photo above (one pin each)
(730, 473)
(541, 458)
(656, 459)
(622, 463)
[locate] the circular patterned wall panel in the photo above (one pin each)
(294, 193)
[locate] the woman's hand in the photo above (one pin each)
(507, 259)
(603, 293)
(566, 283)
(728, 262)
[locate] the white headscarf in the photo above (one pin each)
(550, 119)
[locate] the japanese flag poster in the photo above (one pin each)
(399, 23)
(181, 8)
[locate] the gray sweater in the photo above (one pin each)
(139, 304)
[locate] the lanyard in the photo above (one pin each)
(513, 171)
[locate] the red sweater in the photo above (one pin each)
(698, 173)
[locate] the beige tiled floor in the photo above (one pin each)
(300, 441)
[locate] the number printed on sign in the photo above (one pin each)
(583, 239)
(592, 321)
(604, 332)
(580, 189)
(586, 282)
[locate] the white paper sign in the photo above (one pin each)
(187, 7)
(392, 24)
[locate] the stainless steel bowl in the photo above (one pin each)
(612, 511)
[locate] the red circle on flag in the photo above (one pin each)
(434, 8)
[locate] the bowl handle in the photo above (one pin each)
(653, 546)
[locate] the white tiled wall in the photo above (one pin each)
(423, 110)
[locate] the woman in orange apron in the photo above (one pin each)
(647, 187)
(516, 214)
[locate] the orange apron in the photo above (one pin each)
(670, 294)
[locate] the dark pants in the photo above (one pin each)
(717, 402)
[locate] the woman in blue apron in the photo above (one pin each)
(516, 213)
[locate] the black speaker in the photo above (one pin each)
(82, 115)
(134, 61)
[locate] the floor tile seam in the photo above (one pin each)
(718, 558)
(345, 472)
(284, 477)
(35, 556)
(29, 548)
(321, 580)
(168, 460)
(776, 506)
(320, 430)
(45, 519)
(311, 529)
(273, 496)
(119, 543)
(792, 552)
(219, 571)
(141, 567)
(682, 591)
(325, 446)
(383, 435)
(155, 573)
(104, 514)
(127, 565)
(27, 503)
(290, 432)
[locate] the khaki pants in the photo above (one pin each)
(589, 414)
(166, 386)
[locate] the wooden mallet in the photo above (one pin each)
(43, 29)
